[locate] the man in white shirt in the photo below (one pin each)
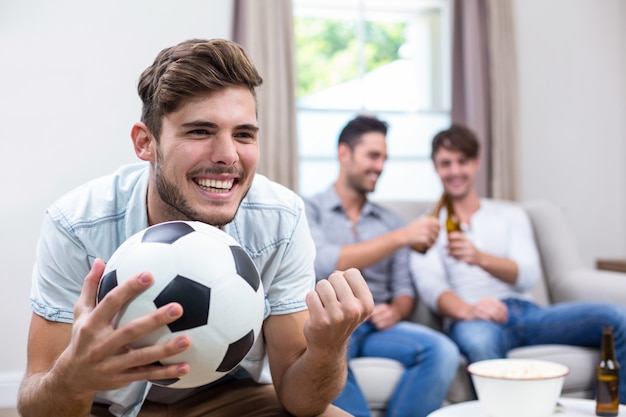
(479, 279)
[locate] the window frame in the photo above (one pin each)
(438, 104)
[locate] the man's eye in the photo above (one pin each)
(198, 132)
(244, 135)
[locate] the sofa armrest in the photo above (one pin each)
(586, 284)
(555, 237)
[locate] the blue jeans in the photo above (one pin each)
(572, 323)
(430, 358)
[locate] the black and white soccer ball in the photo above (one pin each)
(211, 276)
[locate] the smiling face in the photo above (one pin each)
(456, 171)
(205, 160)
(363, 165)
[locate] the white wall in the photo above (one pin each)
(623, 105)
(68, 74)
(572, 84)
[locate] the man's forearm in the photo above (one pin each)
(404, 305)
(450, 305)
(312, 383)
(504, 269)
(364, 254)
(39, 395)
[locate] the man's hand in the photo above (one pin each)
(488, 309)
(337, 307)
(461, 248)
(423, 231)
(384, 316)
(98, 356)
(307, 349)
(68, 364)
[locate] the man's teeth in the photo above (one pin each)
(216, 185)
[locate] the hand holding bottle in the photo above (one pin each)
(423, 232)
(461, 248)
(423, 247)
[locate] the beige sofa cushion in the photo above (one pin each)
(377, 378)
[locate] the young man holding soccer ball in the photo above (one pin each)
(198, 136)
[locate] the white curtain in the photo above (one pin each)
(265, 30)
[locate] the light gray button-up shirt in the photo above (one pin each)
(93, 220)
(332, 229)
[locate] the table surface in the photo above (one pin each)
(572, 407)
(618, 265)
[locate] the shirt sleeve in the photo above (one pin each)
(327, 251)
(523, 250)
(401, 277)
(61, 264)
(293, 276)
(429, 272)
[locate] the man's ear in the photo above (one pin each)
(343, 152)
(478, 162)
(143, 142)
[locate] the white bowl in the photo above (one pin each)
(518, 387)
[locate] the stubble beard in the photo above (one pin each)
(357, 185)
(460, 194)
(177, 207)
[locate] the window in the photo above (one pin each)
(389, 58)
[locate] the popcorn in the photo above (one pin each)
(514, 369)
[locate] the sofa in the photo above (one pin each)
(565, 278)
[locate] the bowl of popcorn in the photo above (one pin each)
(518, 387)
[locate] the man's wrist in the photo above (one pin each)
(482, 260)
(62, 383)
(466, 312)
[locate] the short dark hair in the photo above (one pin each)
(456, 138)
(192, 67)
(353, 131)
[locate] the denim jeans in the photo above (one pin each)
(430, 359)
(572, 323)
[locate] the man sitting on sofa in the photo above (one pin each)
(479, 279)
(350, 230)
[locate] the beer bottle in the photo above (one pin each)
(453, 224)
(607, 377)
(422, 247)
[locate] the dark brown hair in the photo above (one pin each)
(192, 67)
(353, 131)
(456, 138)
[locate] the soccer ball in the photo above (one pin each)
(211, 276)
